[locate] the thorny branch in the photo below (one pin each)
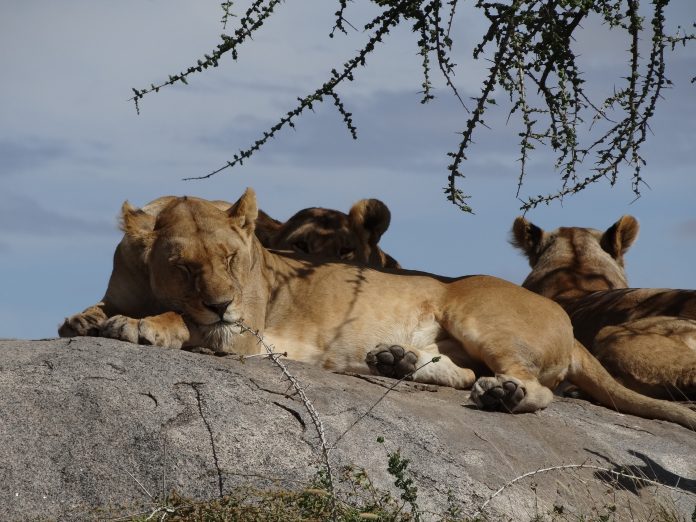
(530, 46)
(313, 414)
(325, 448)
(383, 23)
(374, 405)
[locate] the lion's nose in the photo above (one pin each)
(218, 308)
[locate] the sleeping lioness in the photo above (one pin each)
(645, 337)
(199, 271)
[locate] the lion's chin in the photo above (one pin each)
(220, 336)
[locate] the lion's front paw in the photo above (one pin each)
(120, 327)
(151, 331)
(498, 393)
(156, 331)
(85, 323)
(392, 361)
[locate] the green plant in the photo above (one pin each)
(398, 467)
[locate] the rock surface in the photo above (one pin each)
(93, 428)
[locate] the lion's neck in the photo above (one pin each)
(575, 274)
(286, 279)
(569, 283)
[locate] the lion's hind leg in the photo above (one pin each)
(655, 356)
(427, 365)
(516, 364)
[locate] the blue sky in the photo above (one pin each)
(72, 148)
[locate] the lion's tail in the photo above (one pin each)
(590, 376)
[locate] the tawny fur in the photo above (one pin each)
(201, 268)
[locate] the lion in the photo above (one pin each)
(315, 232)
(201, 276)
(645, 337)
(332, 234)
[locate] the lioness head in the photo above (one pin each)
(199, 260)
(574, 261)
(332, 234)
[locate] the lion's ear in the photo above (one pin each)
(370, 217)
(136, 224)
(266, 228)
(619, 237)
(527, 237)
(244, 212)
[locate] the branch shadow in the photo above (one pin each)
(649, 470)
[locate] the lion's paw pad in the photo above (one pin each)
(498, 393)
(392, 361)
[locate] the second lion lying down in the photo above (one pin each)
(645, 337)
(203, 271)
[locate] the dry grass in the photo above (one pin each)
(360, 500)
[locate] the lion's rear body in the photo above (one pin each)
(345, 310)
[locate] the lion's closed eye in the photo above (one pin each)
(184, 270)
(229, 260)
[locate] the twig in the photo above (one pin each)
(164, 467)
(269, 354)
(386, 20)
(361, 417)
(166, 511)
(325, 450)
(567, 466)
(139, 484)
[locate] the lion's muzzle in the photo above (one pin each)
(218, 308)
